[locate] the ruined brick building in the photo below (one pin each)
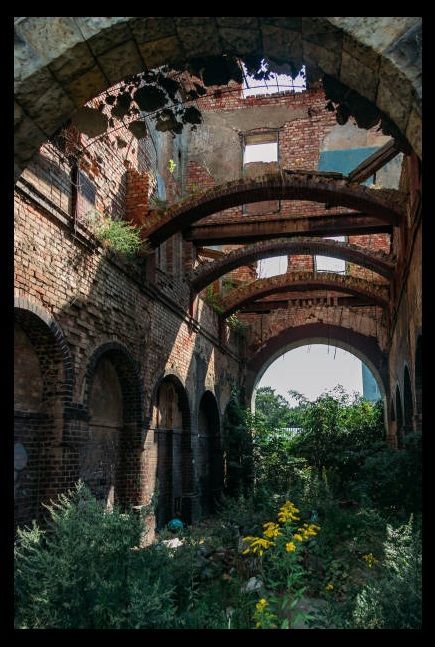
(124, 368)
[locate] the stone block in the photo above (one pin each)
(86, 86)
(198, 36)
(241, 41)
(149, 29)
(328, 60)
(389, 103)
(50, 37)
(413, 130)
(121, 61)
(158, 52)
(357, 76)
(73, 63)
(282, 44)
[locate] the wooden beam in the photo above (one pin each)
(376, 161)
(241, 232)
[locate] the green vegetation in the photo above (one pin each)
(319, 527)
(120, 236)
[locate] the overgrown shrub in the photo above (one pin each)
(85, 571)
(122, 237)
(393, 600)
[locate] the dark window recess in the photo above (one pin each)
(87, 189)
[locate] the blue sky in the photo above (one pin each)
(312, 370)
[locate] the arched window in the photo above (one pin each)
(399, 417)
(418, 374)
(408, 408)
(210, 460)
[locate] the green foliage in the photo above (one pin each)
(171, 166)
(213, 299)
(120, 236)
(83, 571)
(393, 600)
(237, 448)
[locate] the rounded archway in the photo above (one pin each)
(209, 461)
(109, 457)
(42, 384)
(61, 62)
(172, 439)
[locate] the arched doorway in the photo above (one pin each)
(399, 418)
(110, 456)
(408, 407)
(100, 464)
(171, 422)
(210, 460)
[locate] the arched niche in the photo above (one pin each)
(41, 374)
(110, 456)
(408, 407)
(100, 466)
(171, 423)
(209, 462)
(399, 418)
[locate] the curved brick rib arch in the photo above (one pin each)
(209, 272)
(62, 62)
(362, 346)
(385, 204)
(301, 281)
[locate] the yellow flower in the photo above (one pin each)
(370, 559)
(298, 537)
(261, 605)
(257, 545)
(329, 586)
(271, 530)
(290, 547)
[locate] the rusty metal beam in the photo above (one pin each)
(241, 232)
(376, 161)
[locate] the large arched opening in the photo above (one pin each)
(399, 418)
(63, 62)
(408, 406)
(418, 375)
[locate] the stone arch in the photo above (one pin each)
(61, 62)
(408, 407)
(301, 281)
(385, 204)
(418, 374)
(399, 417)
(209, 453)
(42, 388)
(365, 348)
(171, 424)
(109, 457)
(211, 271)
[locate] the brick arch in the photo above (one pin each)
(39, 424)
(55, 347)
(209, 460)
(418, 373)
(209, 272)
(365, 347)
(386, 204)
(173, 467)
(62, 62)
(300, 281)
(129, 377)
(125, 450)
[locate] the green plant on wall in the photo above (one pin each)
(122, 237)
(171, 166)
(213, 299)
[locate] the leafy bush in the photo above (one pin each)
(85, 570)
(393, 600)
(120, 236)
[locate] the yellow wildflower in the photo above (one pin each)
(298, 537)
(290, 547)
(370, 559)
(261, 605)
(329, 586)
(288, 512)
(271, 529)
